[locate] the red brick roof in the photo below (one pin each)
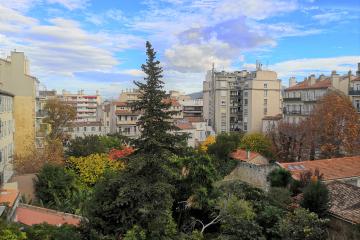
(184, 125)
(332, 169)
(241, 154)
(30, 215)
(326, 83)
(345, 201)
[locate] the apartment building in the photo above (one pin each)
(192, 107)
(238, 101)
(15, 78)
(86, 105)
(6, 135)
(354, 90)
(300, 98)
(129, 95)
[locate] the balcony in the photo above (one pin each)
(353, 92)
(296, 112)
(292, 99)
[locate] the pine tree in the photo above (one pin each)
(155, 122)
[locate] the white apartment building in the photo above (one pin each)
(238, 101)
(6, 136)
(83, 129)
(86, 105)
(192, 107)
(300, 98)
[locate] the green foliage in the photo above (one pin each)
(238, 220)
(58, 189)
(135, 233)
(87, 145)
(279, 197)
(257, 142)
(303, 225)
(279, 177)
(225, 144)
(316, 198)
(10, 231)
(51, 232)
(268, 219)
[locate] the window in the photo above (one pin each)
(265, 102)
(245, 126)
(265, 85)
(265, 111)
(265, 93)
(93, 129)
(245, 102)
(84, 129)
(246, 94)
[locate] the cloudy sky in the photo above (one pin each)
(99, 44)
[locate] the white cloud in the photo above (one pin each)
(306, 66)
(19, 5)
(329, 17)
(71, 4)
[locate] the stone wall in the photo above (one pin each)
(341, 230)
(255, 175)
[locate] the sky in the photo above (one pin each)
(100, 44)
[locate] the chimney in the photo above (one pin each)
(312, 79)
(247, 154)
(292, 81)
(335, 80)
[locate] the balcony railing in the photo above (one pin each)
(292, 99)
(296, 112)
(354, 92)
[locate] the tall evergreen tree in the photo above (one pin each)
(141, 194)
(155, 122)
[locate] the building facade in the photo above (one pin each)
(192, 108)
(15, 78)
(86, 105)
(300, 98)
(6, 136)
(237, 101)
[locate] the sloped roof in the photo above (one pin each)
(345, 201)
(31, 215)
(241, 154)
(326, 83)
(332, 169)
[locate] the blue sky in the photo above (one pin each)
(99, 44)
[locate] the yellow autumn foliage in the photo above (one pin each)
(208, 141)
(91, 169)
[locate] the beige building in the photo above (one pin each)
(354, 90)
(300, 98)
(238, 101)
(6, 136)
(129, 95)
(15, 78)
(86, 105)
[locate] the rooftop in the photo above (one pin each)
(30, 215)
(253, 158)
(184, 125)
(194, 119)
(326, 83)
(332, 169)
(345, 201)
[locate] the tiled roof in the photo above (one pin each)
(356, 79)
(8, 196)
(30, 215)
(241, 154)
(194, 119)
(345, 201)
(184, 125)
(174, 102)
(276, 117)
(326, 83)
(334, 168)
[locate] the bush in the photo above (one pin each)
(279, 177)
(50, 232)
(316, 198)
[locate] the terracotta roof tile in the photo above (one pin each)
(345, 201)
(334, 168)
(30, 215)
(241, 154)
(356, 79)
(326, 83)
(184, 125)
